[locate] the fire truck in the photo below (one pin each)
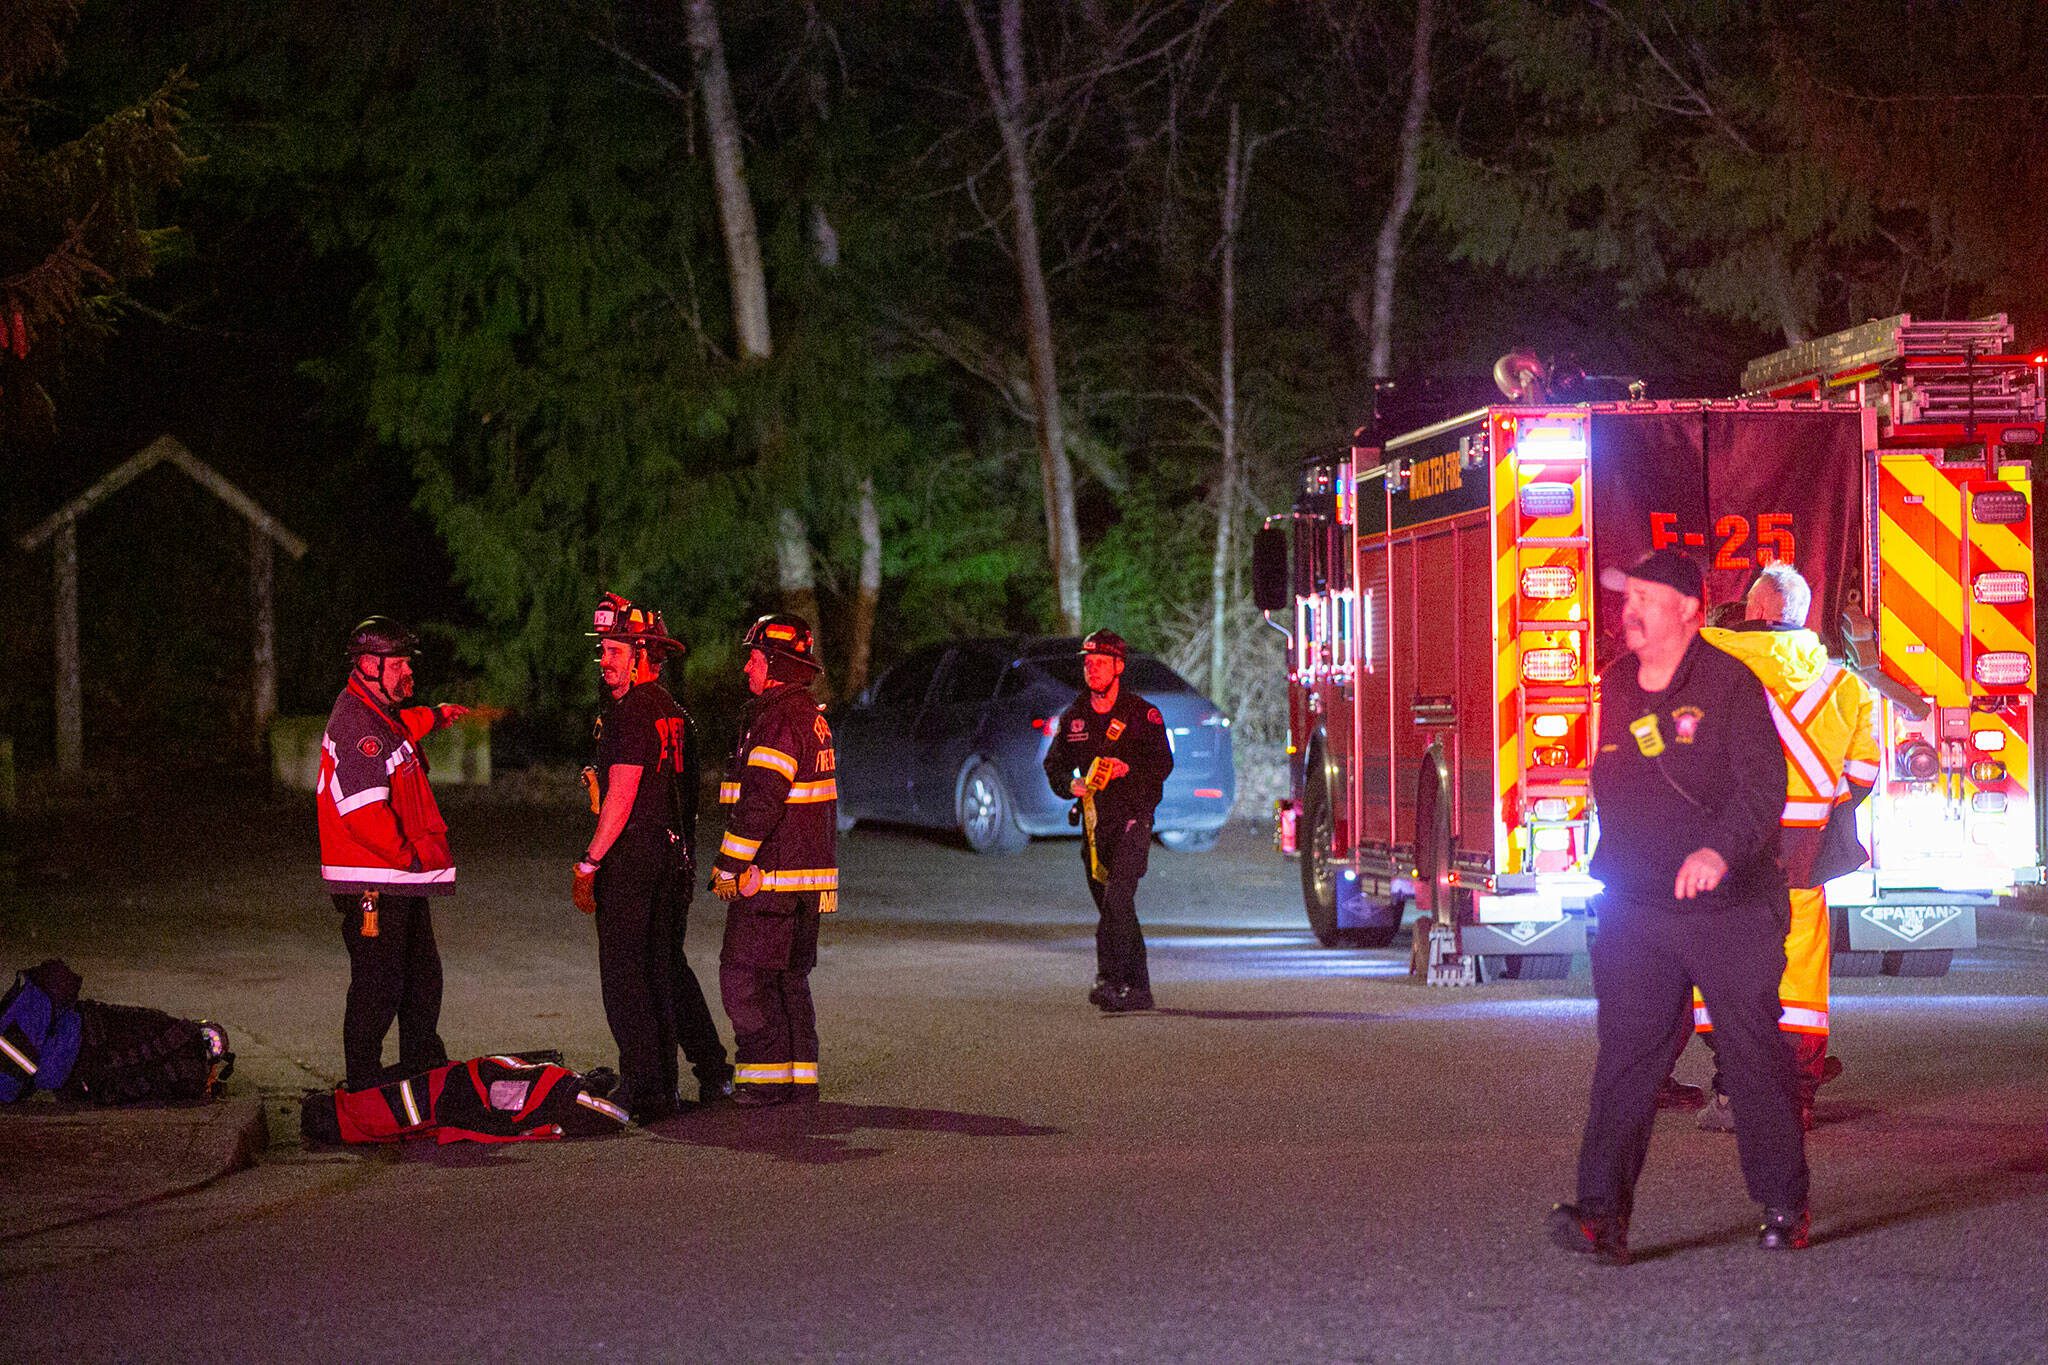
(1446, 629)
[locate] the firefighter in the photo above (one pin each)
(1689, 781)
(1110, 751)
(635, 875)
(1827, 724)
(383, 851)
(777, 866)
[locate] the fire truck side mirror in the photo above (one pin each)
(1272, 574)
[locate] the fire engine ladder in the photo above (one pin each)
(1941, 373)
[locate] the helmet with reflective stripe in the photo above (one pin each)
(383, 637)
(1106, 642)
(616, 618)
(784, 636)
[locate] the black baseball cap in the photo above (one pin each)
(1672, 568)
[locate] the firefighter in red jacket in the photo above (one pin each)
(777, 867)
(383, 851)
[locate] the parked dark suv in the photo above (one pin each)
(953, 738)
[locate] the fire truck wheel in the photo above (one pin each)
(1918, 962)
(1190, 840)
(1314, 831)
(1855, 964)
(988, 821)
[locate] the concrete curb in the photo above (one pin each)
(84, 1162)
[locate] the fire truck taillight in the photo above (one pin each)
(1554, 666)
(2003, 668)
(1556, 756)
(1997, 589)
(1551, 727)
(1549, 582)
(1988, 741)
(1552, 808)
(1998, 506)
(1548, 499)
(1988, 803)
(1987, 770)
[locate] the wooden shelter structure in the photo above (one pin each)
(61, 528)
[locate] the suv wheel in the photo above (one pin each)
(988, 822)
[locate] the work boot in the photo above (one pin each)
(1785, 1230)
(1125, 999)
(1099, 994)
(1718, 1117)
(1673, 1093)
(1604, 1237)
(714, 1092)
(1830, 1067)
(754, 1096)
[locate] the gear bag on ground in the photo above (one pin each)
(507, 1097)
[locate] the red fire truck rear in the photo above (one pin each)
(1446, 632)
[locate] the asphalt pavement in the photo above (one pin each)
(1301, 1155)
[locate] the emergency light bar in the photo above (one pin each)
(1547, 499)
(1998, 506)
(1562, 665)
(1551, 440)
(1549, 582)
(2003, 668)
(1999, 588)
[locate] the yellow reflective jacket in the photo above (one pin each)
(1827, 720)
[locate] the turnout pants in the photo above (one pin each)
(635, 937)
(764, 975)
(1123, 845)
(394, 974)
(1802, 993)
(1646, 956)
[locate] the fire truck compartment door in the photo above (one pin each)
(1736, 490)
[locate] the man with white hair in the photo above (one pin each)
(1826, 718)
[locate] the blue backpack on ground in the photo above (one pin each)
(39, 1030)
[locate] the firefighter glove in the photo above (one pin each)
(583, 887)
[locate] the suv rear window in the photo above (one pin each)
(1143, 672)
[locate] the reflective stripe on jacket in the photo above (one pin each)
(380, 829)
(1827, 721)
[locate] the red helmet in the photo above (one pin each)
(616, 618)
(1106, 642)
(784, 636)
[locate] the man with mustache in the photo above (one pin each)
(383, 851)
(1689, 782)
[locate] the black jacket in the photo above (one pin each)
(1697, 765)
(1132, 730)
(782, 793)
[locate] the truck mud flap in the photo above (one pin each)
(1567, 936)
(1888, 928)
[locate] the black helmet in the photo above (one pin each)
(616, 618)
(783, 636)
(383, 637)
(1106, 642)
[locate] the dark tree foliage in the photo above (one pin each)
(78, 189)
